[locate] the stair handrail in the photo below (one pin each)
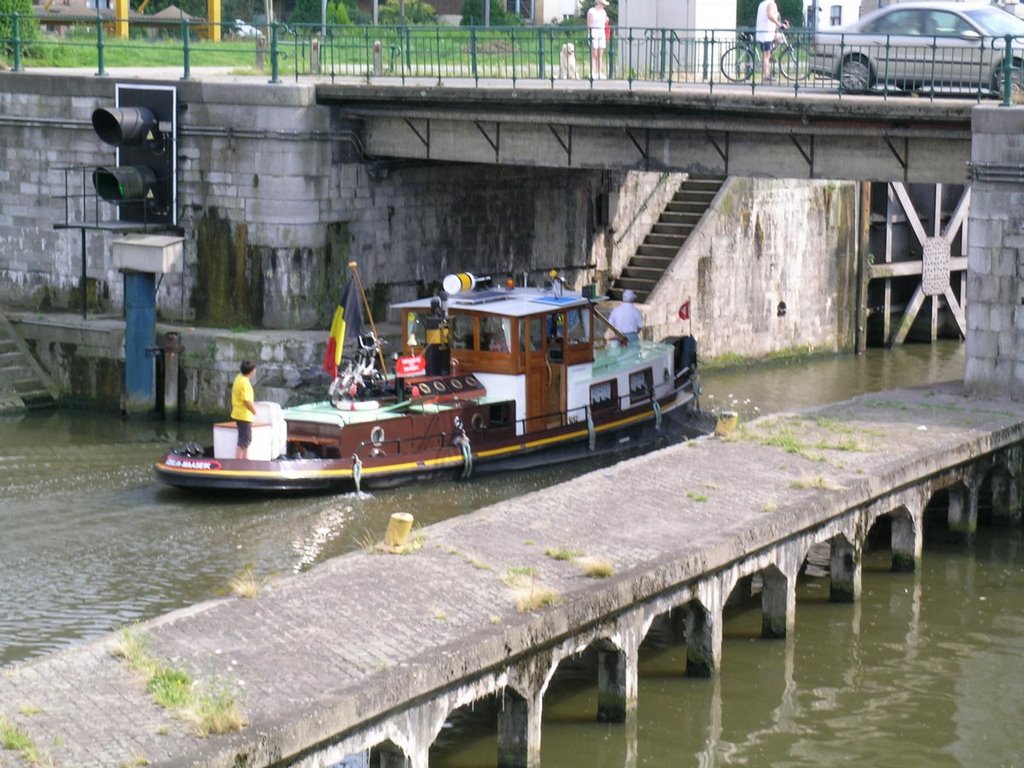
(643, 206)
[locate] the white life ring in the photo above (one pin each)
(345, 404)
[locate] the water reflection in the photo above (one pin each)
(923, 671)
(88, 541)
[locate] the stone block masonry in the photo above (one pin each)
(995, 285)
(274, 201)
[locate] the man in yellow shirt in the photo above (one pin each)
(243, 407)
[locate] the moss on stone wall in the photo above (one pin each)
(97, 296)
(229, 288)
(93, 380)
(332, 272)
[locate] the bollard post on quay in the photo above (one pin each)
(398, 530)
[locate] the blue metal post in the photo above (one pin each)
(139, 339)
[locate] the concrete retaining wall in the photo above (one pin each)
(771, 268)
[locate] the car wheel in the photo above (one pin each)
(1016, 84)
(855, 75)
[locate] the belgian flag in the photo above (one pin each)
(346, 328)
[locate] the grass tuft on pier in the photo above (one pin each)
(246, 583)
(13, 739)
(175, 691)
(528, 594)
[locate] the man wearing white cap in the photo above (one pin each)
(597, 20)
(626, 318)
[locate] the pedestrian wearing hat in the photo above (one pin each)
(627, 318)
(597, 21)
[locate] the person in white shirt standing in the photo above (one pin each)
(627, 318)
(768, 23)
(597, 20)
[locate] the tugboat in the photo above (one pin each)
(488, 379)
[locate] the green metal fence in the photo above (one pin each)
(712, 59)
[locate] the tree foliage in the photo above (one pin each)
(416, 12)
(28, 26)
(473, 14)
(791, 10)
(308, 12)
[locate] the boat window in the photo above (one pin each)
(533, 338)
(602, 395)
(495, 334)
(416, 335)
(579, 326)
(641, 385)
(501, 415)
(555, 325)
(460, 328)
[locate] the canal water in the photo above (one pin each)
(925, 670)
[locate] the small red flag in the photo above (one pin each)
(684, 310)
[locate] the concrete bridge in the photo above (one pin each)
(374, 651)
(729, 132)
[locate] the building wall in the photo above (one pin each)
(677, 14)
(849, 12)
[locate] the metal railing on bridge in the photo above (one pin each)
(636, 57)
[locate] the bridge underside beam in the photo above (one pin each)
(856, 155)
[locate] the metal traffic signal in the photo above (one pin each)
(143, 127)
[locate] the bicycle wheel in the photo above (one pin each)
(739, 64)
(790, 65)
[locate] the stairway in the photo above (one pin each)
(23, 383)
(667, 236)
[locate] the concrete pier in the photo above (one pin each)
(374, 652)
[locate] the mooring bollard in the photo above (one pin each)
(726, 422)
(399, 527)
(378, 59)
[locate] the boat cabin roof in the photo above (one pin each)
(514, 302)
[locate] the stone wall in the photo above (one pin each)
(274, 201)
(995, 256)
(770, 268)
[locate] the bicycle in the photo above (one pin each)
(742, 61)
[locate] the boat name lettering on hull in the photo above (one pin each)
(192, 463)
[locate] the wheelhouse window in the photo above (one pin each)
(416, 332)
(461, 329)
(495, 334)
(530, 338)
(641, 385)
(578, 322)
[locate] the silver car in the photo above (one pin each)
(929, 46)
